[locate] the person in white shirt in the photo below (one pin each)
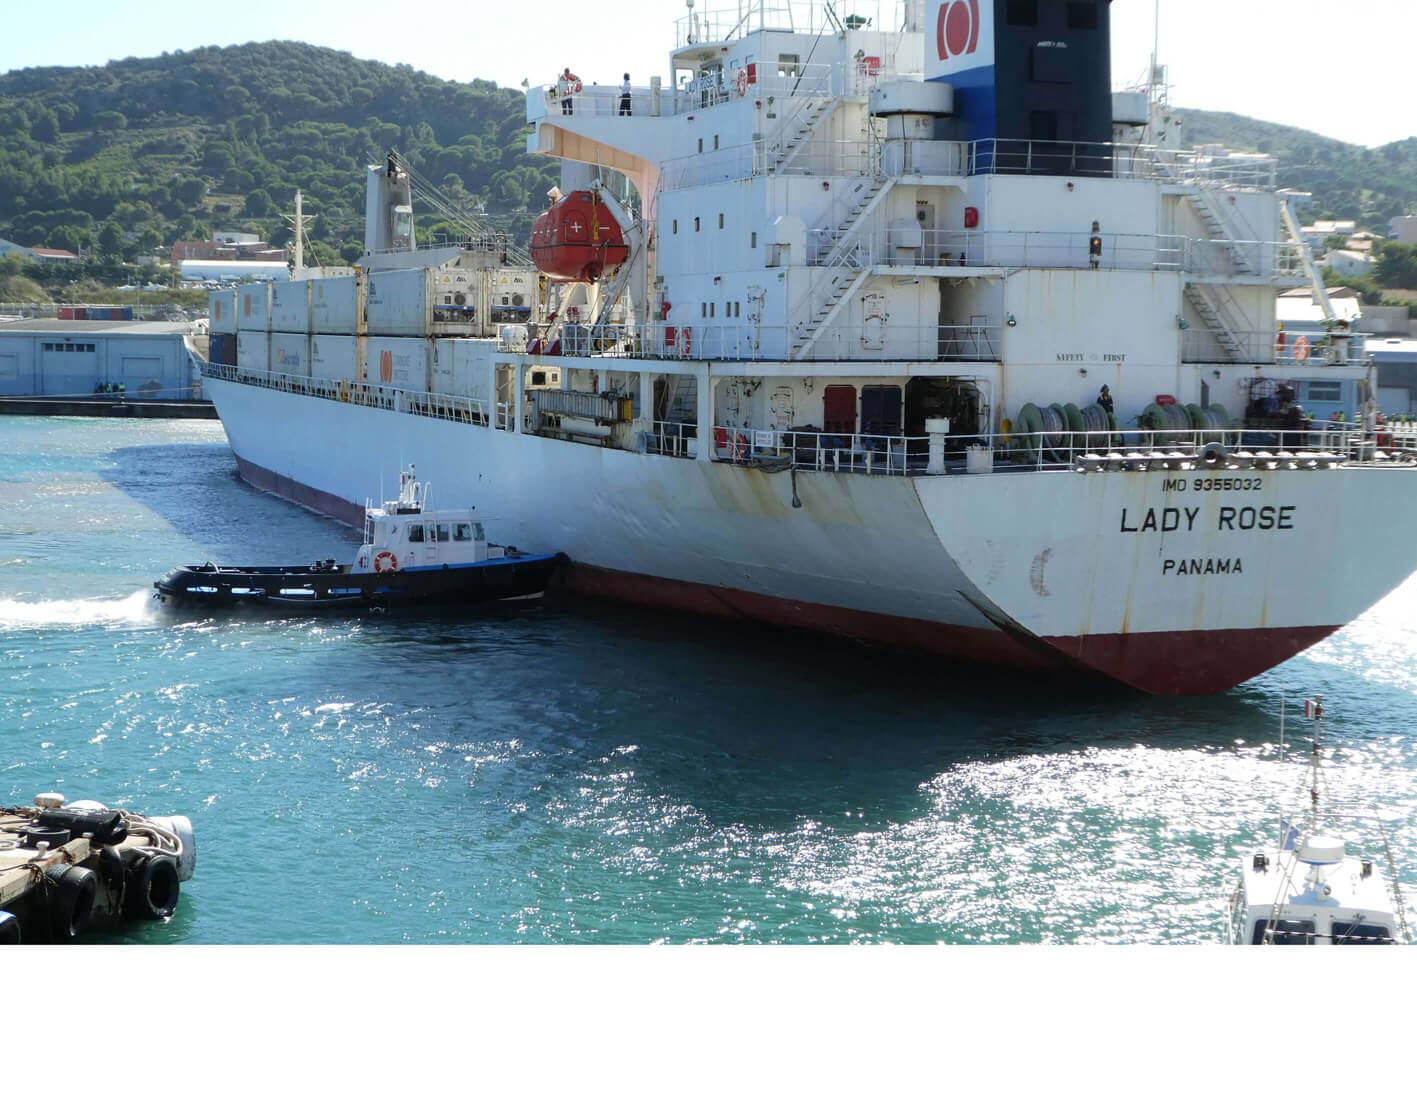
(625, 97)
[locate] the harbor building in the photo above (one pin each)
(72, 358)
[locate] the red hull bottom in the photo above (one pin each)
(1161, 663)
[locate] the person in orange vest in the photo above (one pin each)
(567, 85)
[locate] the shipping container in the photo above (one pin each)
(253, 352)
(73, 313)
(513, 295)
(290, 354)
(253, 307)
(337, 304)
(290, 307)
(462, 366)
(221, 349)
(221, 311)
(458, 306)
(338, 357)
(399, 362)
(400, 303)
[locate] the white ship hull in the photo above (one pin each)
(1169, 588)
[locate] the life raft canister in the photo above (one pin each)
(385, 562)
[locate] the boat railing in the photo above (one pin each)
(910, 245)
(429, 404)
(1200, 345)
(810, 449)
(678, 439)
(874, 338)
(1080, 159)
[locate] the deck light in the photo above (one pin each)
(1011, 320)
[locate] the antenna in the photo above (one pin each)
(298, 222)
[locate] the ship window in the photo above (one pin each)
(477, 533)
(753, 241)
(462, 533)
(720, 221)
(1286, 932)
(1324, 391)
(703, 309)
(701, 144)
(1022, 13)
(1082, 15)
(696, 224)
(674, 224)
(415, 533)
(789, 64)
(444, 533)
(715, 142)
(1358, 934)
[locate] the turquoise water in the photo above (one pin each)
(564, 774)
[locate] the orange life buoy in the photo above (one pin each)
(1301, 348)
(385, 562)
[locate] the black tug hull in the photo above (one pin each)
(305, 589)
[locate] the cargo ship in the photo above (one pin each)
(897, 325)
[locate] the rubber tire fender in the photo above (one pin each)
(72, 891)
(153, 888)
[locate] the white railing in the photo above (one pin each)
(1200, 346)
(429, 404)
(729, 23)
(1276, 259)
(677, 439)
(873, 339)
(813, 450)
(913, 246)
(989, 157)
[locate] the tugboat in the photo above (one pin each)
(412, 555)
(1307, 890)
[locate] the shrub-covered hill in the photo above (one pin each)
(161, 148)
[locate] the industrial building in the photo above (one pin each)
(66, 358)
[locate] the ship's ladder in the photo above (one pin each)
(812, 113)
(841, 287)
(844, 249)
(1220, 227)
(1214, 304)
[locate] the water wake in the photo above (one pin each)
(136, 607)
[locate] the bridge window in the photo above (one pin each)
(1022, 13)
(789, 65)
(1357, 934)
(444, 533)
(1286, 932)
(1324, 391)
(1082, 15)
(415, 533)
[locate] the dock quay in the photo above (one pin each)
(68, 871)
(106, 406)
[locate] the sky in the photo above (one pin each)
(1333, 66)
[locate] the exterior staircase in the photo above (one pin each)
(1204, 202)
(1219, 318)
(843, 251)
(840, 288)
(812, 116)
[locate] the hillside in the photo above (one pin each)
(125, 158)
(169, 147)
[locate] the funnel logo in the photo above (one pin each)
(386, 366)
(957, 29)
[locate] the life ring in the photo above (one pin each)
(1301, 348)
(386, 562)
(740, 82)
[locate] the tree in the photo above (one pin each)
(258, 204)
(110, 121)
(111, 240)
(71, 237)
(1396, 267)
(190, 190)
(44, 126)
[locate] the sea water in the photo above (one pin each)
(565, 774)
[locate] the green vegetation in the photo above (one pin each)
(1348, 181)
(123, 160)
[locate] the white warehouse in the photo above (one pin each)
(69, 358)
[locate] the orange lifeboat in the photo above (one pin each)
(578, 239)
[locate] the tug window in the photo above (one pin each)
(1286, 932)
(415, 533)
(477, 533)
(462, 533)
(444, 533)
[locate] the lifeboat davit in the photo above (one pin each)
(578, 239)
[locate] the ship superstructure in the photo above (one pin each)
(897, 324)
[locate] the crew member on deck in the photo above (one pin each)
(625, 97)
(566, 86)
(1104, 400)
(1094, 247)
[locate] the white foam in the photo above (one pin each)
(136, 607)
